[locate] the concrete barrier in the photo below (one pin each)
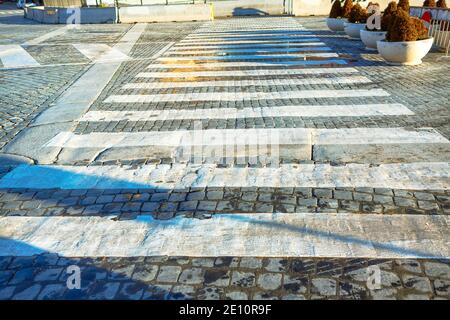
(248, 7)
(52, 15)
(163, 13)
(323, 7)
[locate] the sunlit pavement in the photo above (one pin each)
(121, 150)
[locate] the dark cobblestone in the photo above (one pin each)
(226, 278)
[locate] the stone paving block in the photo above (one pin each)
(49, 274)
(236, 295)
(52, 292)
(145, 273)
(192, 276)
(169, 273)
(417, 283)
(323, 287)
(243, 279)
(437, 269)
(27, 292)
(210, 293)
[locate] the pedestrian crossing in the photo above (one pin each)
(11, 12)
(216, 74)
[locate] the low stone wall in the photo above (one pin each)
(323, 7)
(248, 7)
(163, 13)
(51, 15)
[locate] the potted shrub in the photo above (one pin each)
(406, 42)
(404, 5)
(370, 36)
(338, 15)
(356, 21)
(429, 3)
(335, 22)
(441, 4)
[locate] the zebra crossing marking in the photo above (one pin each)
(280, 136)
(252, 50)
(412, 176)
(244, 96)
(100, 52)
(256, 234)
(247, 73)
(233, 113)
(246, 83)
(289, 56)
(232, 64)
(315, 42)
(13, 56)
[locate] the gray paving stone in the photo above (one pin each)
(50, 274)
(6, 292)
(442, 287)
(192, 276)
(421, 284)
(269, 281)
(237, 295)
(437, 269)
(243, 279)
(145, 273)
(104, 290)
(169, 274)
(27, 293)
(323, 287)
(276, 265)
(52, 292)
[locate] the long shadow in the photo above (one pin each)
(33, 273)
(241, 11)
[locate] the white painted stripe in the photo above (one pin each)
(244, 96)
(260, 235)
(232, 64)
(267, 33)
(246, 83)
(215, 43)
(100, 52)
(221, 137)
(273, 38)
(54, 33)
(163, 50)
(245, 50)
(232, 113)
(251, 45)
(14, 55)
(287, 30)
(257, 57)
(247, 73)
(415, 176)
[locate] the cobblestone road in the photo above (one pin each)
(334, 104)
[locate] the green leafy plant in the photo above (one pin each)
(387, 17)
(406, 28)
(358, 14)
(403, 4)
(336, 9)
(441, 4)
(429, 3)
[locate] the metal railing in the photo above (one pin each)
(438, 27)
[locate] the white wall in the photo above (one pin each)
(163, 13)
(245, 7)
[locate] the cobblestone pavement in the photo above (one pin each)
(229, 75)
(45, 276)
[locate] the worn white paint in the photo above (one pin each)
(246, 83)
(231, 64)
(248, 41)
(290, 56)
(244, 96)
(251, 37)
(233, 113)
(221, 51)
(249, 34)
(416, 176)
(57, 32)
(13, 56)
(261, 235)
(245, 73)
(222, 137)
(252, 45)
(100, 52)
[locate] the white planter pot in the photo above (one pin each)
(408, 53)
(370, 38)
(352, 29)
(336, 24)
